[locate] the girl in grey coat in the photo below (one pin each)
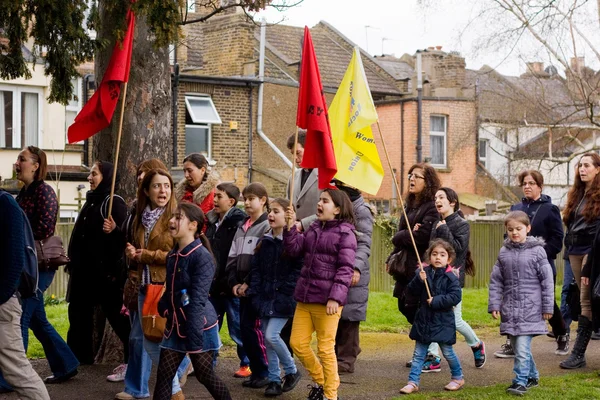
(521, 293)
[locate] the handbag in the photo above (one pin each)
(51, 253)
(396, 264)
(153, 325)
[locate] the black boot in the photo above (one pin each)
(577, 357)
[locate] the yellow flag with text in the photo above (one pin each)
(351, 115)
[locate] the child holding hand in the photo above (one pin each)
(434, 320)
(522, 294)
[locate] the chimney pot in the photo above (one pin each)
(577, 63)
(438, 48)
(431, 48)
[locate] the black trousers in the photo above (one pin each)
(84, 295)
(557, 322)
(347, 344)
(253, 339)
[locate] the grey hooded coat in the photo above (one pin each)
(522, 288)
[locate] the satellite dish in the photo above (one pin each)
(551, 70)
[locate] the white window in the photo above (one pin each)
(20, 116)
(484, 147)
(75, 104)
(437, 140)
(191, 6)
(200, 114)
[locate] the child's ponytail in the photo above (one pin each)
(469, 264)
(195, 213)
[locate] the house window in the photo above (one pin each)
(199, 116)
(191, 6)
(437, 140)
(484, 151)
(74, 106)
(20, 116)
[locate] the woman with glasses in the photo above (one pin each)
(422, 214)
(546, 222)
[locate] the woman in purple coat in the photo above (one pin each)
(329, 250)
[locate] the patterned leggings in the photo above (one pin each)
(203, 368)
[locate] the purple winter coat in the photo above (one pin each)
(522, 288)
(329, 250)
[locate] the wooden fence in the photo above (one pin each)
(486, 240)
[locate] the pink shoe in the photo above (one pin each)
(454, 385)
(409, 388)
(118, 374)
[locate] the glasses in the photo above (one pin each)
(410, 176)
(530, 184)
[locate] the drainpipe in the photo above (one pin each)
(250, 91)
(261, 78)
(419, 107)
(174, 104)
(86, 142)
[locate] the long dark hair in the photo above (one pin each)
(432, 185)
(340, 199)
(143, 200)
(591, 210)
(200, 162)
(452, 197)
(195, 213)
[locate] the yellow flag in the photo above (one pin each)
(351, 115)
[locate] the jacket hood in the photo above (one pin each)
(544, 199)
(528, 244)
(211, 182)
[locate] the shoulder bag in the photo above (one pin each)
(51, 253)
(153, 325)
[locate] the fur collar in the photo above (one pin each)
(203, 190)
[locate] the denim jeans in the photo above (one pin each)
(231, 306)
(564, 307)
(60, 357)
(462, 327)
(419, 359)
(153, 351)
(277, 351)
(524, 367)
(140, 365)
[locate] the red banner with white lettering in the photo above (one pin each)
(312, 116)
(98, 112)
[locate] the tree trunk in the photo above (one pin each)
(147, 121)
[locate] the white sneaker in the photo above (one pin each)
(118, 374)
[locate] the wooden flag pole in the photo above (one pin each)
(412, 238)
(114, 177)
(293, 181)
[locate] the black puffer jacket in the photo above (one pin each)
(455, 231)
(220, 241)
(273, 278)
(192, 269)
(435, 322)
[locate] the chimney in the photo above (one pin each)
(535, 68)
(577, 63)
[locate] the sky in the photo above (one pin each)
(404, 26)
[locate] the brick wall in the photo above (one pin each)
(461, 142)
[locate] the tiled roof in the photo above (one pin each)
(396, 68)
(509, 99)
(333, 54)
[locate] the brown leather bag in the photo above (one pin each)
(153, 325)
(51, 253)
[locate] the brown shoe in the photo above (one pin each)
(178, 396)
(188, 370)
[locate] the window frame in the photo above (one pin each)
(483, 160)
(203, 125)
(444, 135)
(188, 97)
(17, 91)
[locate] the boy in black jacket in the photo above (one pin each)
(223, 222)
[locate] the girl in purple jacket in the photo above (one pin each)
(329, 249)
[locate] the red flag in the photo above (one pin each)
(312, 116)
(98, 112)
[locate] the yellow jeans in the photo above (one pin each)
(309, 318)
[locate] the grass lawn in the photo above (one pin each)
(382, 316)
(565, 387)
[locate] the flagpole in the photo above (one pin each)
(412, 238)
(293, 181)
(114, 177)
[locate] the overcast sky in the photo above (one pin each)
(403, 26)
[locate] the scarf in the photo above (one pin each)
(149, 217)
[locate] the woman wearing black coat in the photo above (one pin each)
(96, 274)
(420, 209)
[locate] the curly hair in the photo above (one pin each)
(432, 185)
(591, 209)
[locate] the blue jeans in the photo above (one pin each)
(564, 307)
(60, 357)
(524, 368)
(231, 306)
(140, 365)
(277, 351)
(419, 359)
(153, 351)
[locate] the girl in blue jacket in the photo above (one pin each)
(192, 326)
(434, 320)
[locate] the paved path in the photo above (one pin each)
(379, 374)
